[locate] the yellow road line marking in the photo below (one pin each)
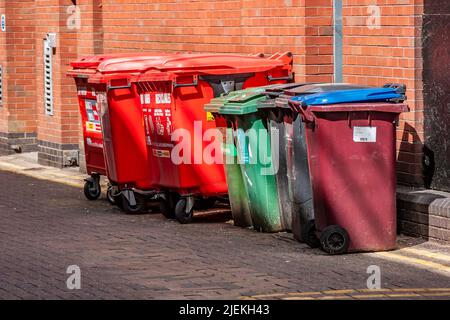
(355, 293)
(304, 293)
(421, 289)
(334, 297)
(438, 289)
(404, 295)
(339, 291)
(434, 266)
(426, 253)
(269, 295)
(299, 298)
(374, 290)
(436, 294)
(368, 296)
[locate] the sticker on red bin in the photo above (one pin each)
(163, 98)
(157, 116)
(161, 153)
(365, 134)
(93, 117)
(145, 98)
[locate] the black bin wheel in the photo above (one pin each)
(309, 235)
(167, 206)
(92, 190)
(181, 215)
(112, 195)
(334, 240)
(135, 209)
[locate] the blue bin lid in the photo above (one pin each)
(351, 96)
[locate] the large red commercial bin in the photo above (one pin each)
(90, 119)
(352, 156)
(148, 99)
(88, 100)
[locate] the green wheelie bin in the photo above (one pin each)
(237, 193)
(254, 154)
(281, 133)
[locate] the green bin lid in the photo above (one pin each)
(244, 103)
(216, 104)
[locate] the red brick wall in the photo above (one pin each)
(3, 110)
(244, 26)
(62, 127)
(390, 53)
(18, 113)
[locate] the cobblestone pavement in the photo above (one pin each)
(46, 227)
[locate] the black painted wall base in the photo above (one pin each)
(19, 142)
(57, 155)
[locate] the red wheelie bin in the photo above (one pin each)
(89, 97)
(152, 103)
(351, 154)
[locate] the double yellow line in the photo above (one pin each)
(419, 258)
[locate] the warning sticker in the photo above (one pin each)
(209, 117)
(93, 127)
(365, 134)
(93, 117)
(161, 153)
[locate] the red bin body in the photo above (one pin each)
(149, 98)
(352, 156)
(89, 110)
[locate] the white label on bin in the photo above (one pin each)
(163, 98)
(365, 134)
(145, 98)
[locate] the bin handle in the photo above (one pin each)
(124, 86)
(181, 85)
(307, 115)
(289, 77)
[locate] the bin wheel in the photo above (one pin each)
(112, 195)
(167, 206)
(92, 189)
(182, 216)
(309, 235)
(136, 209)
(205, 203)
(334, 240)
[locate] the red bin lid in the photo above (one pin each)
(202, 63)
(94, 61)
(142, 66)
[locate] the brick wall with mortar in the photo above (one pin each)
(18, 109)
(243, 26)
(58, 134)
(3, 110)
(383, 44)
